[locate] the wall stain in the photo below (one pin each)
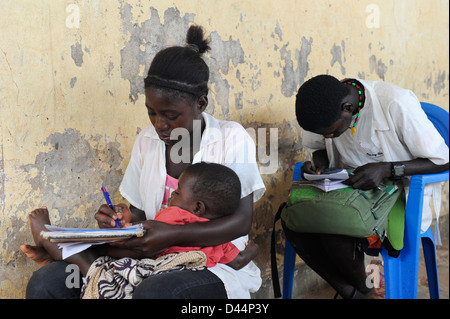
(77, 54)
(149, 37)
(73, 81)
(290, 151)
(221, 55)
(67, 179)
(337, 54)
(377, 66)
(439, 84)
(2, 180)
(292, 79)
(69, 176)
(146, 39)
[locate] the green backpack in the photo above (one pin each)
(346, 211)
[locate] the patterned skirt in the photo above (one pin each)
(110, 278)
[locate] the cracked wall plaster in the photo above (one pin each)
(77, 54)
(72, 172)
(292, 79)
(149, 37)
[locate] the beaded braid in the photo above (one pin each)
(362, 98)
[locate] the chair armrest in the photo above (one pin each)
(419, 181)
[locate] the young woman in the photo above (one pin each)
(206, 191)
(180, 134)
(380, 130)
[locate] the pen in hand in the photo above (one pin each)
(108, 201)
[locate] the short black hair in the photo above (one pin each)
(318, 102)
(217, 185)
(180, 70)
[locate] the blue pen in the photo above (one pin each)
(108, 201)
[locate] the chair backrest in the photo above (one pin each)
(439, 118)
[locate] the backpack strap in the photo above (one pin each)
(273, 257)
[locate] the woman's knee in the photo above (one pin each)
(154, 287)
(55, 280)
(184, 284)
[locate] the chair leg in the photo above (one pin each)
(392, 277)
(288, 272)
(429, 252)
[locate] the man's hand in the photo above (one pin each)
(308, 169)
(369, 176)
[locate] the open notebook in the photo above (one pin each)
(326, 181)
(74, 240)
(62, 234)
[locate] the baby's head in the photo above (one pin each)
(208, 190)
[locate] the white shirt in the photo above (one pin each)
(222, 142)
(392, 126)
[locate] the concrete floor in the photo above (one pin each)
(422, 292)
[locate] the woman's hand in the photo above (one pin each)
(157, 238)
(106, 217)
(369, 176)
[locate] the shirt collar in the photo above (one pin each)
(212, 132)
(373, 105)
(371, 119)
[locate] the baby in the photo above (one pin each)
(207, 191)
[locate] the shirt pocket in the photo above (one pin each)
(372, 149)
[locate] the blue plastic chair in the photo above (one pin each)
(401, 274)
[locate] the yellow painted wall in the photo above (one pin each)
(72, 103)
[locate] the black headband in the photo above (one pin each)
(194, 89)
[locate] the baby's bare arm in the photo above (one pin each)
(245, 256)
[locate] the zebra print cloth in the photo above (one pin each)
(110, 278)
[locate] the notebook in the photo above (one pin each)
(326, 181)
(61, 234)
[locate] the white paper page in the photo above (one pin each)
(69, 249)
(334, 175)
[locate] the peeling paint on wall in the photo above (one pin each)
(77, 54)
(145, 40)
(69, 176)
(2, 180)
(150, 36)
(377, 66)
(337, 54)
(439, 84)
(218, 61)
(292, 79)
(73, 81)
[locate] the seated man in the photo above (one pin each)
(381, 131)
